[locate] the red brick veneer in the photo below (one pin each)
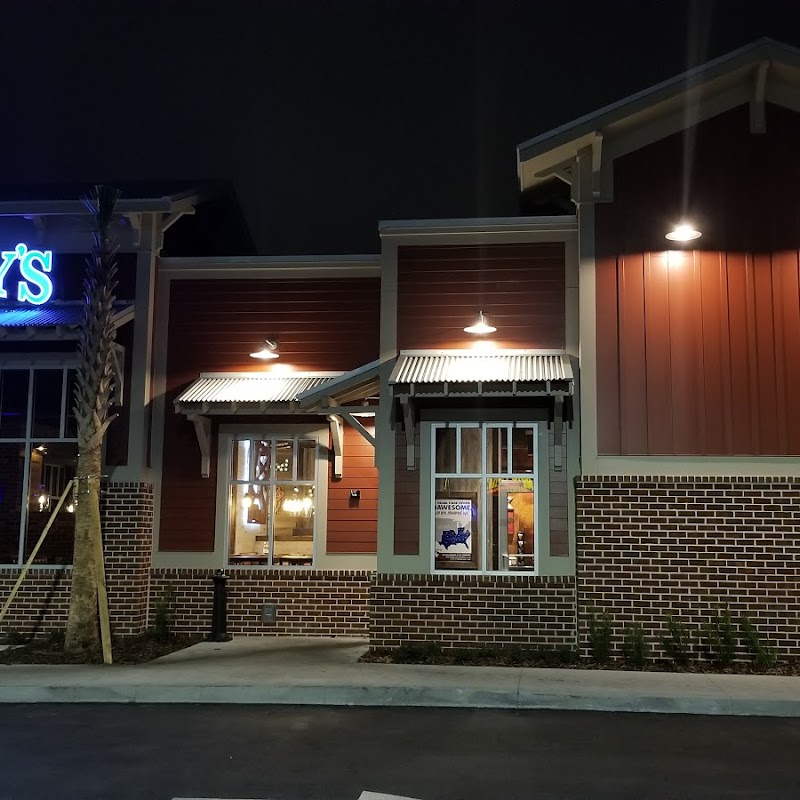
(310, 603)
(652, 546)
(471, 610)
(42, 603)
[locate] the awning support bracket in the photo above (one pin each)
(360, 428)
(202, 429)
(407, 405)
(558, 430)
(337, 439)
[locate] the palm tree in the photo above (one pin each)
(92, 404)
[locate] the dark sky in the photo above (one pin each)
(329, 116)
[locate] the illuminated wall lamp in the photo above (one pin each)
(268, 351)
(480, 326)
(683, 232)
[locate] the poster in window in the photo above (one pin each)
(455, 517)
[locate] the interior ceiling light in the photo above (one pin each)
(683, 232)
(269, 350)
(481, 326)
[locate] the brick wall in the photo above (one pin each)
(471, 610)
(310, 603)
(127, 512)
(42, 603)
(652, 546)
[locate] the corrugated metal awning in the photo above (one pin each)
(50, 321)
(466, 373)
(245, 393)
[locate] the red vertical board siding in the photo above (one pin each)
(321, 325)
(353, 523)
(719, 346)
(608, 403)
(738, 323)
(789, 301)
(716, 410)
(406, 500)
(440, 290)
(685, 358)
(764, 340)
(633, 392)
(658, 360)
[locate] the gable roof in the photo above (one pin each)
(763, 71)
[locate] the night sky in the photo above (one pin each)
(329, 116)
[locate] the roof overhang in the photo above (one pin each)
(465, 373)
(765, 71)
(248, 393)
(51, 322)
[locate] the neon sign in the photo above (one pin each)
(35, 286)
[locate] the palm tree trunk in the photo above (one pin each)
(83, 630)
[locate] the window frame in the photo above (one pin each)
(226, 439)
(33, 364)
(540, 489)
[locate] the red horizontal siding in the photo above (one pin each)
(705, 362)
(321, 325)
(520, 287)
(353, 524)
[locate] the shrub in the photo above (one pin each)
(635, 647)
(762, 655)
(600, 636)
(162, 619)
(418, 653)
(720, 638)
(677, 641)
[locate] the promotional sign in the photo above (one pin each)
(34, 286)
(453, 532)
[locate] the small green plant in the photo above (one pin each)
(763, 656)
(635, 647)
(677, 641)
(720, 639)
(418, 653)
(162, 619)
(600, 636)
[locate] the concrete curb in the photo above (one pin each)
(399, 696)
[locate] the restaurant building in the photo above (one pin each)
(481, 434)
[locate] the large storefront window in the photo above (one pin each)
(38, 458)
(272, 489)
(484, 496)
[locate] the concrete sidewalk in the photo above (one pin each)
(327, 672)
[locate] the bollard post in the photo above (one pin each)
(219, 613)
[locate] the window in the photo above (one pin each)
(38, 458)
(271, 500)
(485, 490)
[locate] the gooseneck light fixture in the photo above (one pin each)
(480, 326)
(269, 350)
(683, 232)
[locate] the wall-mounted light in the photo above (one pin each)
(43, 499)
(480, 326)
(269, 350)
(247, 499)
(683, 232)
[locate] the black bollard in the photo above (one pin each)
(219, 613)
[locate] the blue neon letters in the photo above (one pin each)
(35, 286)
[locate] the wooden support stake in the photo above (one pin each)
(35, 550)
(102, 592)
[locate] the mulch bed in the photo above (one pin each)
(560, 660)
(125, 650)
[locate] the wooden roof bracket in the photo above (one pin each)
(407, 404)
(337, 439)
(359, 427)
(597, 163)
(558, 430)
(758, 118)
(202, 429)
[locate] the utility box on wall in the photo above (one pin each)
(269, 613)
